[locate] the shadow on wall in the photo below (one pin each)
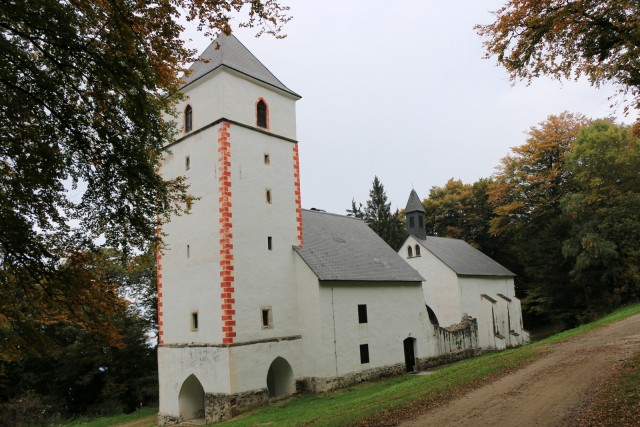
(191, 399)
(280, 378)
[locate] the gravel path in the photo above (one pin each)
(550, 391)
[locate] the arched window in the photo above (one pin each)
(417, 250)
(188, 118)
(262, 114)
(409, 251)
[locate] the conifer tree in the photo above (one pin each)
(377, 214)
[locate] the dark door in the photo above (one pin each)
(409, 355)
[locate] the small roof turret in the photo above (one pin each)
(414, 204)
(229, 52)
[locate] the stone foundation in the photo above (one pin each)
(165, 420)
(221, 407)
(444, 359)
(319, 384)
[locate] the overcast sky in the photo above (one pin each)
(400, 89)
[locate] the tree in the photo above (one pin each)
(377, 214)
(461, 211)
(68, 369)
(85, 89)
(568, 38)
(527, 195)
(604, 243)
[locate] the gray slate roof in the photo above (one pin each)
(342, 248)
(462, 258)
(414, 204)
(232, 54)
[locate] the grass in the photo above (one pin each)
(384, 398)
(115, 420)
(617, 402)
(388, 400)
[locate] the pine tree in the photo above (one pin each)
(377, 214)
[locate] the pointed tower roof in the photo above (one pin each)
(229, 52)
(414, 204)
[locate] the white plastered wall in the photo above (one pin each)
(395, 311)
(508, 315)
(210, 365)
(190, 281)
(440, 288)
(318, 358)
(229, 94)
(249, 364)
(263, 277)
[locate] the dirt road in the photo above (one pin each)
(549, 392)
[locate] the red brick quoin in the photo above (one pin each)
(159, 278)
(296, 178)
(226, 235)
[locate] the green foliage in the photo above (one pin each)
(604, 244)
(86, 88)
(70, 370)
(528, 218)
(568, 38)
(377, 214)
(86, 375)
(461, 211)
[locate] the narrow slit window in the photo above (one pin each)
(267, 159)
(420, 221)
(270, 243)
(266, 317)
(364, 353)
(187, 163)
(194, 321)
(417, 250)
(411, 222)
(409, 251)
(362, 313)
(188, 119)
(188, 251)
(262, 114)
(268, 196)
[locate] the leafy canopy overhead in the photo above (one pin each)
(84, 88)
(599, 39)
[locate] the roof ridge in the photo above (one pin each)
(228, 51)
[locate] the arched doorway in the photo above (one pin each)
(410, 354)
(191, 399)
(280, 378)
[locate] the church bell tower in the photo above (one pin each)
(226, 287)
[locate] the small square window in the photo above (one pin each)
(268, 196)
(269, 243)
(187, 163)
(362, 313)
(194, 321)
(266, 317)
(267, 159)
(364, 353)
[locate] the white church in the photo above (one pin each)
(260, 299)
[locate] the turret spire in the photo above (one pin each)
(414, 213)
